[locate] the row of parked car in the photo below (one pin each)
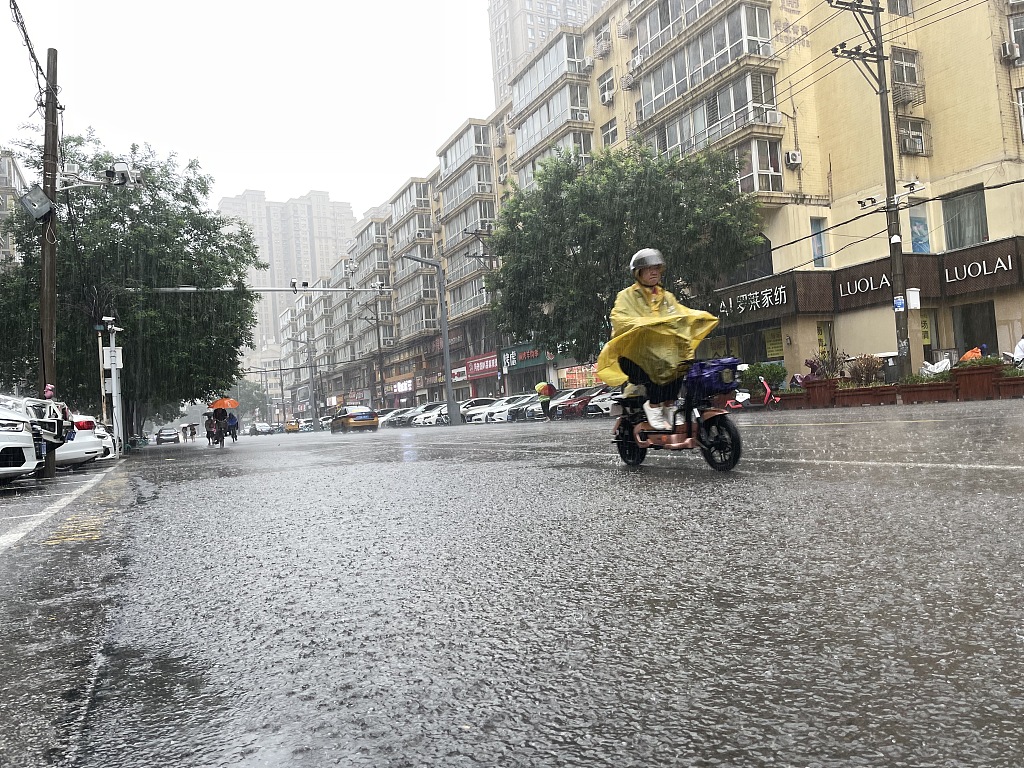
(30, 427)
(524, 406)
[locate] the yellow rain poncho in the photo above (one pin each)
(654, 331)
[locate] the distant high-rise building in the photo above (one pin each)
(301, 238)
(519, 28)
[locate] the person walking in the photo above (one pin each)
(544, 392)
(210, 426)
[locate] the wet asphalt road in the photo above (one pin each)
(513, 596)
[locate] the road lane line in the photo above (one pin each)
(12, 537)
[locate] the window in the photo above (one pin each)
(610, 132)
(919, 235)
(1017, 29)
(818, 245)
(606, 84)
(760, 166)
(914, 136)
(964, 218)
(1020, 110)
(901, 8)
(904, 66)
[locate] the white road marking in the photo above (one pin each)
(13, 536)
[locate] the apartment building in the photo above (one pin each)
(518, 28)
(12, 187)
(301, 238)
(761, 80)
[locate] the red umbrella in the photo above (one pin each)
(224, 402)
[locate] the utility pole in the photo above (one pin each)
(877, 79)
(48, 248)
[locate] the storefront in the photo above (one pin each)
(483, 375)
(575, 376)
(523, 367)
(968, 297)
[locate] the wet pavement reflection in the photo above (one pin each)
(510, 595)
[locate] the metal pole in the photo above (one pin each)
(892, 213)
(312, 392)
(48, 247)
(115, 395)
(103, 388)
(454, 412)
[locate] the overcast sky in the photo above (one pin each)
(348, 96)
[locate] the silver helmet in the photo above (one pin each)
(646, 257)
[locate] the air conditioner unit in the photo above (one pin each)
(380, 240)
(423, 233)
(499, 140)
(772, 117)
(911, 145)
(582, 115)
(794, 158)
(1009, 51)
(502, 178)
(588, 64)
(437, 196)
(484, 187)
(635, 62)
(607, 97)
(388, 343)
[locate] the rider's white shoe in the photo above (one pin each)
(655, 417)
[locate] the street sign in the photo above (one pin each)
(112, 358)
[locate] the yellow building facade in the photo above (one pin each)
(762, 80)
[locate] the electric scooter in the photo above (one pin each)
(698, 424)
(741, 401)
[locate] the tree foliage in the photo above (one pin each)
(114, 245)
(565, 244)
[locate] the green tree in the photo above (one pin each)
(115, 245)
(565, 244)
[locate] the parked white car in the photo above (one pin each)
(498, 412)
(82, 444)
(17, 448)
(430, 411)
(46, 416)
(391, 419)
(601, 405)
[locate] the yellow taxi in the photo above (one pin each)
(349, 418)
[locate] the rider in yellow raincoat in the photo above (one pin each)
(652, 336)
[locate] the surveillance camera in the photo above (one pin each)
(108, 319)
(115, 329)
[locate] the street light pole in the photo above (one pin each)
(454, 412)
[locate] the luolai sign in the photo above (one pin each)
(977, 269)
(864, 285)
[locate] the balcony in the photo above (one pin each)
(466, 306)
(420, 326)
(424, 295)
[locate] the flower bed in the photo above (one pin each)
(846, 397)
(928, 392)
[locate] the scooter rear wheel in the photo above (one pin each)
(723, 441)
(630, 451)
(773, 404)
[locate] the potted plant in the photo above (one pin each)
(1010, 384)
(975, 379)
(826, 367)
(937, 388)
(794, 398)
(864, 387)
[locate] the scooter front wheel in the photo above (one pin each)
(631, 452)
(723, 443)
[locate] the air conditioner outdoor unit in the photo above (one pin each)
(911, 145)
(581, 114)
(772, 117)
(421, 233)
(388, 342)
(588, 64)
(635, 62)
(502, 178)
(380, 240)
(484, 187)
(794, 157)
(1009, 51)
(607, 97)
